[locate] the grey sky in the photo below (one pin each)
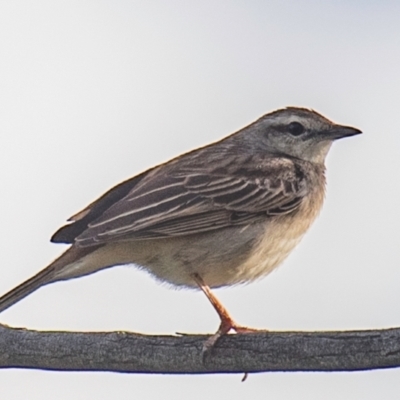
(94, 92)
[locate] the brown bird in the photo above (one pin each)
(220, 215)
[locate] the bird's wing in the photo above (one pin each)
(181, 200)
(80, 221)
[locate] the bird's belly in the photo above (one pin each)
(269, 253)
(233, 256)
(238, 254)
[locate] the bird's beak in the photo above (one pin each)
(340, 131)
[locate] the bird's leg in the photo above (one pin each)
(227, 322)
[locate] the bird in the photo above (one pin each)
(224, 214)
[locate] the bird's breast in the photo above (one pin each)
(281, 234)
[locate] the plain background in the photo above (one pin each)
(94, 92)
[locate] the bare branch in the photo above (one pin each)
(256, 352)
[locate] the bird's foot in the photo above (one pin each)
(227, 324)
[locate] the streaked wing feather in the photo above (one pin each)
(202, 223)
(181, 202)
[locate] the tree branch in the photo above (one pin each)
(256, 352)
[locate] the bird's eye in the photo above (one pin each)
(295, 128)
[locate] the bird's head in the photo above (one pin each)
(296, 132)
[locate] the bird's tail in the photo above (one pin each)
(57, 270)
(26, 288)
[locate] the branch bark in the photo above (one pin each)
(255, 352)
